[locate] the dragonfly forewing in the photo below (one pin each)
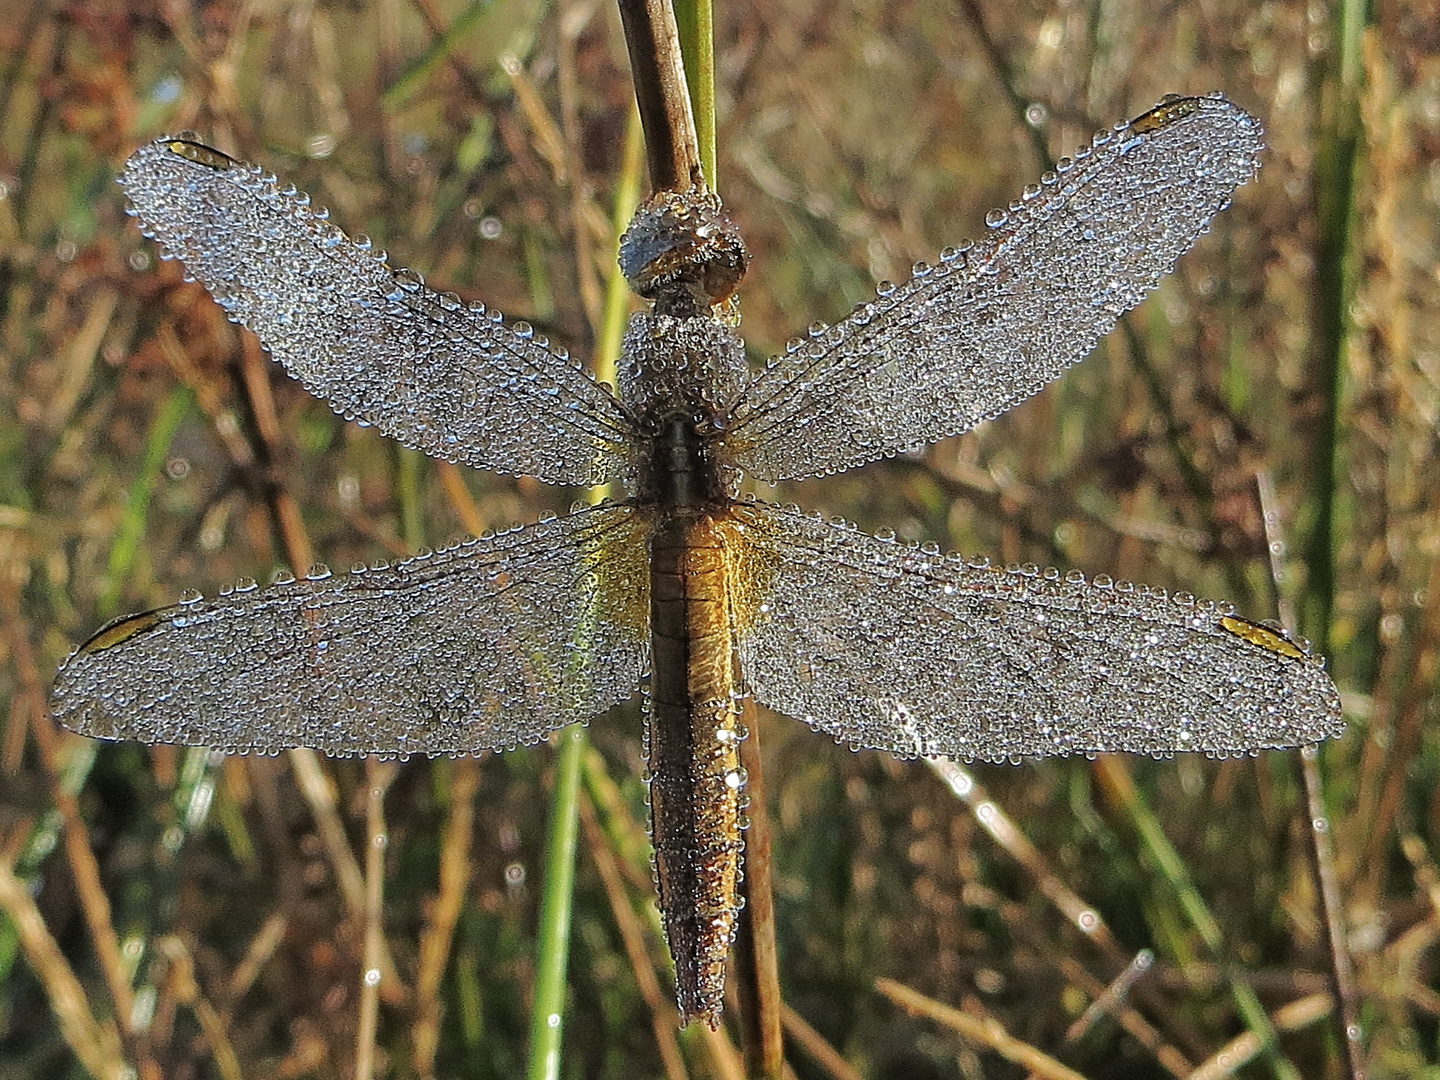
(990, 324)
(483, 646)
(441, 376)
(906, 649)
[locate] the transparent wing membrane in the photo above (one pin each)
(375, 343)
(990, 324)
(481, 646)
(916, 652)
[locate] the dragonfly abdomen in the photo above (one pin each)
(693, 742)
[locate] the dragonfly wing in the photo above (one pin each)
(375, 343)
(482, 646)
(916, 652)
(991, 324)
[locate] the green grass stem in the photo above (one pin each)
(1176, 874)
(557, 902)
(1336, 175)
(695, 20)
(142, 492)
(557, 898)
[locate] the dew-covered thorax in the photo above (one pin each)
(678, 379)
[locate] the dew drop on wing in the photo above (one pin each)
(1023, 661)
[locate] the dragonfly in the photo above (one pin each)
(701, 594)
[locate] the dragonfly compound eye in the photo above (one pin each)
(683, 252)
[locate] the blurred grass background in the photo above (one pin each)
(206, 921)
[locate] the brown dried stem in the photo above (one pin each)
(671, 145)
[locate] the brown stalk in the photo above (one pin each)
(1003, 829)
(814, 1044)
(1242, 1049)
(755, 954)
(84, 867)
(673, 151)
(572, 22)
(663, 1017)
(379, 775)
(438, 936)
(1009, 836)
(187, 990)
(671, 145)
(96, 1043)
(985, 1031)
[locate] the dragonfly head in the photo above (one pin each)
(682, 252)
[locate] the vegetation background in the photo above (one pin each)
(204, 919)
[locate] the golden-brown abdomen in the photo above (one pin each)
(692, 748)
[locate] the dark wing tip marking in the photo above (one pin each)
(1266, 637)
(187, 147)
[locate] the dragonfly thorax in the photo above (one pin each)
(678, 380)
(680, 470)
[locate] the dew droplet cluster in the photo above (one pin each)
(1046, 663)
(485, 645)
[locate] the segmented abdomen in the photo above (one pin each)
(692, 747)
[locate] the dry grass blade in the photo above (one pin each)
(379, 775)
(262, 948)
(1112, 996)
(986, 1032)
(187, 991)
(1113, 1000)
(96, 1043)
(1243, 1049)
(84, 867)
(439, 934)
(755, 957)
(1319, 822)
(814, 1044)
(1003, 829)
(664, 1019)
